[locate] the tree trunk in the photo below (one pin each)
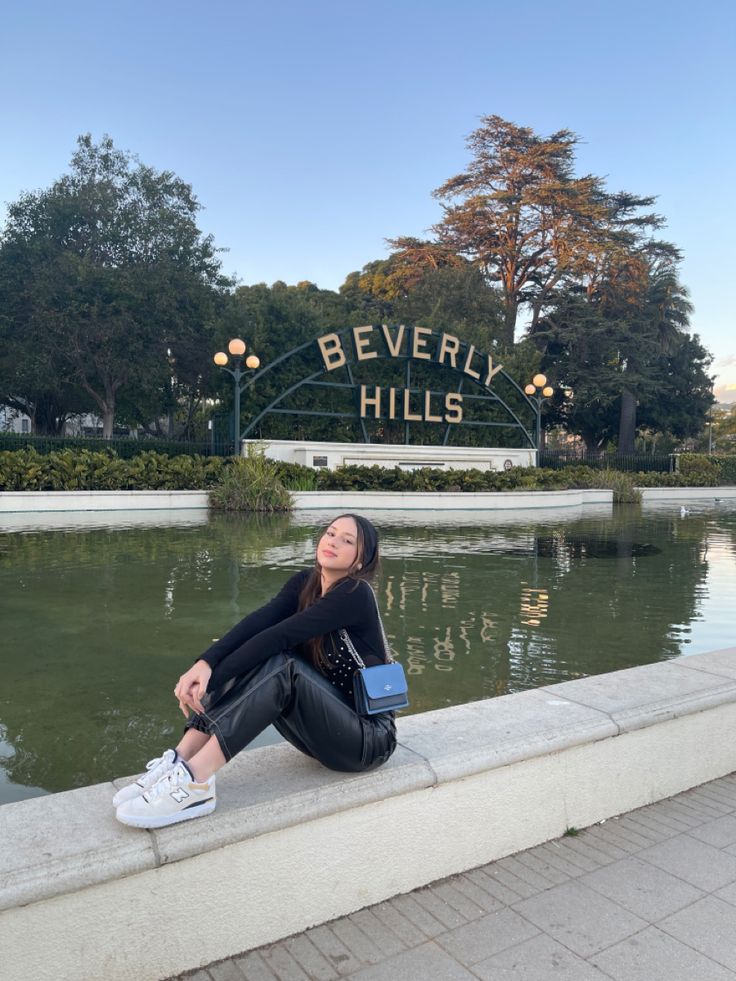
(49, 417)
(509, 323)
(627, 422)
(108, 408)
(108, 419)
(589, 439)
(106, 404)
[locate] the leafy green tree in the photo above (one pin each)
(32, 383)
(273, 320)
(457, 299)
(627, 359)
(533, 227)
(425, 285)
(108, 270)
(681, 397)
(365, 296)
(659, 315)
(581, 357)
(723, 437)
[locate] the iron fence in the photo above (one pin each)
(221, 441)
(629, 462)
(124, 446)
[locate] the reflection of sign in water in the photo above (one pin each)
(534, 605)
(415, 656)
(461, 637)
(417, 344)
(444, 651)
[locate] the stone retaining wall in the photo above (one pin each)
(17, 502)
(44, 501)
(292, 844)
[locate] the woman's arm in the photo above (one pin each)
(283, 605)
(343, 606)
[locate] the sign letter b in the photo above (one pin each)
(332, 352)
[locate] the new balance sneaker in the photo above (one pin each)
(155, 769)
(175, 797)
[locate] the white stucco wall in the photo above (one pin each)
(332, 455)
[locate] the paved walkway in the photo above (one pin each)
(650, 896)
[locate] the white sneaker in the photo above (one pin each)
(155, 769)
(175, 797)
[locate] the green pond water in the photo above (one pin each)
(100, 615)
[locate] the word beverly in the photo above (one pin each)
(416, 343)
(447, 349)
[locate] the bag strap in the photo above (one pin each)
(345, 638)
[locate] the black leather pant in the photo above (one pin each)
(304, 707)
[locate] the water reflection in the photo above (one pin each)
(98, 624)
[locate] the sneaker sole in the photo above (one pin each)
(162, 820)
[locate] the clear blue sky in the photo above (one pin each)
(311, 131)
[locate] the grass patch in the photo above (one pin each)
(252, 483)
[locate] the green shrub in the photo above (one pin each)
(701, 470)
(651, 479)
(251, 484)
(18, 470)
(248, 480)
(71, 469)
(296, 477)
(726, 469)
(623, 486)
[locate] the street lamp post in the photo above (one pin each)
(236, 347)
(541, 391)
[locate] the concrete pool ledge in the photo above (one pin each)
(28, 502)
(723, 493)
(64, 502)
(24, 502)
(292, 844)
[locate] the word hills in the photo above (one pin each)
(410, 406)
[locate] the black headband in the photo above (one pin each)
(370, 537)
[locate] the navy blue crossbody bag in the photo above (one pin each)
(382, 688)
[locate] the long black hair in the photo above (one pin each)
(364, 567)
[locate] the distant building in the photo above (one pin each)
(13, 421)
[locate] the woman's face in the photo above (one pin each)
(337, 550)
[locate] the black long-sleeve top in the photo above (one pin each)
(279, 625)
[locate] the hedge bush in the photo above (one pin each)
(122, 446)
(28, 470)
(699, 467)
(73, 469)
(727, 469)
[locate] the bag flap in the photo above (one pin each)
(384, 680)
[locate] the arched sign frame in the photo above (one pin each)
(344, 334)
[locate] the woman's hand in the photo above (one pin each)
(191, 687)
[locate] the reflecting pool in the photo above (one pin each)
(101, 614)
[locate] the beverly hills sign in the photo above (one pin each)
(339, 376)
(420, 344)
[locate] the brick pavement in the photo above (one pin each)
(649, 896)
